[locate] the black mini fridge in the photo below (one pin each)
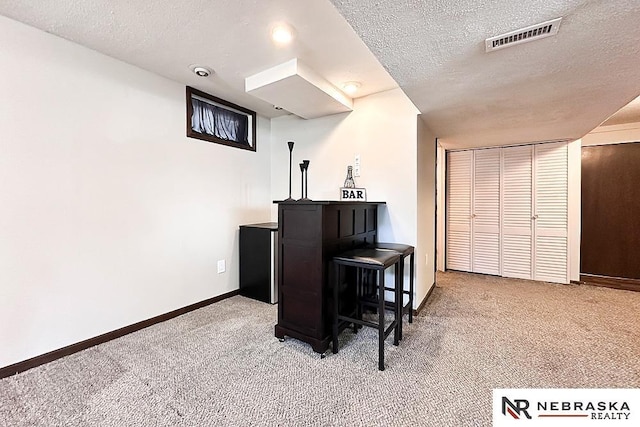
(258, 261)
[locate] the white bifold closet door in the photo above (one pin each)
(507, 211)
(550, 212)
(459, 177)
(534, 212)
(517, 222)
(485, 212)
(473, 211)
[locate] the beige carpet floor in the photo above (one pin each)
(222, 366)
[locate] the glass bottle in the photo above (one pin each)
(349, 182)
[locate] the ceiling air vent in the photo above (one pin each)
(534, 32)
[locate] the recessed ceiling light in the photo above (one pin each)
(351, 87)
(282, 33)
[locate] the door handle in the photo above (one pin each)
(534, 217)
(473, 215)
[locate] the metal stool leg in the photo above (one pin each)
(359, 292)
(400, 286)
(398, 298)
(336, 304)
(381, 320)
(411, 263)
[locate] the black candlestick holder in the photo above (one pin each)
(304, 166)
(290, 143)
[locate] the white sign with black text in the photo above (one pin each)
(353, 194)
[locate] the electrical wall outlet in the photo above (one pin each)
(222, 266)
(356, 166)
(426, 258)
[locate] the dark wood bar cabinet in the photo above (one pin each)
(310, 234)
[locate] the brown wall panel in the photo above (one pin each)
(610, 241)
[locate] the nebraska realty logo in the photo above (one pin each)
(517, 410)
(566, 407)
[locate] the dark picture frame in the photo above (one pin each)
(219, 121)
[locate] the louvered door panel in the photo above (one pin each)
(516, 256)
(551, 259)
(550, 201)
(459, 174)
(459, 251)
(517, 188)
(486, 212)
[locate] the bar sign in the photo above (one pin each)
(353, 194)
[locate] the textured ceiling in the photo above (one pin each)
(630, 113)
(230, 37)
(560, 87)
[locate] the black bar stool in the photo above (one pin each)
(375, 260)
(404, 251)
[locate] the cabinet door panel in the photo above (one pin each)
(302, 269)
(301, 313)
(302, 223)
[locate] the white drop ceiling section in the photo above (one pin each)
(299, 90)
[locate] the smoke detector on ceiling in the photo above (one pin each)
(523, 35)
(200, 70)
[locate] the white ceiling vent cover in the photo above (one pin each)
(534, 32)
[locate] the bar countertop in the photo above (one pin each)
(325, 202)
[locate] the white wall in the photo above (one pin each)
(574, 208)
(613, 134)
(109, 215)
(441, 156)
(425, 250)
(383, 130)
